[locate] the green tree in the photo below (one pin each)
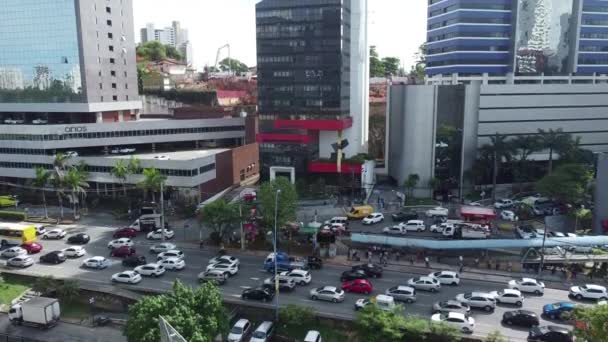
(41, 181)
(375, 325)
(410, 183)
(391, 66)
(45, 285)
(233, 65)
(553, 140)
(197, 314)
(523, 146)
(153, 51)
(152, 182)
(495, 336)
(288, 202)
(441, 332)
(173, 53)
(376, 67)
(499, 149)
(434, 184)
(567, 184)
(57, 178)
(218, 216)
(418, 70)
(68, 290)
(76, 181)
(593, 327)
(121, 171)
(296, 315)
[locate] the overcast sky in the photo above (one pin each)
(396, 27)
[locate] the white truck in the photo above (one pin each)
(147, 223)
(40, 312)
(466, 231)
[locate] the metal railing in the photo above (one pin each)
(14, 338)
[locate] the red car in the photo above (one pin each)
(122, 252)
(125, 233)
(358, 286)
(32, 247)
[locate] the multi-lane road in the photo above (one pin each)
(251, 274)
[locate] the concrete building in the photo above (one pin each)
(173, 35)
(312, 92)
(470, 40)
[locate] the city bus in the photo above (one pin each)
(16, 234)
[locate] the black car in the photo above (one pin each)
(315, 263)
(80, 238)
(549, 333)
(258, 293)
(522, 318)
(371, 270)
(54, 257)
(352, 275)
(134, 260)
(405, 216)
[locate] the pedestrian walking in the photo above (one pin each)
(553, 269)
(201, 244)
(348, 255)
(427, 262)
(369, 257)
(476, 262)
(397, 255)
(411, 259)
(489, 264)
(574, 272)
(497, 265)
(385, 261)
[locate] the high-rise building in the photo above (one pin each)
(313, 80)
(173, 35)
(468, 38)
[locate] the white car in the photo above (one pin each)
(460, 321)
(127, 150)
(13, 252)
(174, 264)
(425, 283)
(508, 296)
(162, 247)
(128, 277)
(54, 234)
(39, 122)
(174, 253)
(158, 234)
(21, 261)
(40, 229)
(437, 211)
(115, 150)
(525, 232)
(479, 300)
(300, 277)
(503, 203)
(120, 243)
(96, 262)
(394, 230)
(74, 252)
(528, 285)
(446, 277)
(71, 154)
(508, 215)
(225, 259)
(328, 293)
(373, 218)
(589, 292)
(151, 270)
(239, 331)
(439, 228)
(413, 226)
(161, 157)
(227, 269)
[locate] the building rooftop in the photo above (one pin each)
(181, 155)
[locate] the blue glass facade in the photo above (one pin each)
(593, 42)
(39, 52)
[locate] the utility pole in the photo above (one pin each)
(242, 230)
(162, 212)
(542, 253)
(276, 265)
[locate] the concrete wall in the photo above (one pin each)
(245, 159)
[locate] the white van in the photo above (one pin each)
(263, 333)
(313, 336)
(385, 302)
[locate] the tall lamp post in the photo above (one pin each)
(276, 266)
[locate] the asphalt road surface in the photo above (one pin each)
(252, 274)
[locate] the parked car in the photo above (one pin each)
(313, 336)
(425, 283)
(352, 275)
(371, 270)
(173, 264)
(263, 333)
(300, 277)
(125, 233)
(225, 259)
(413, 226)
(358, 286)
(402, 293)
(13, 252)
(394, 230)
(589, 291)
(122, 242)
(437, 211)
(174, 253)
(162, 247)
(508, 296)
(522, 318)
(32, 247)
(446, 277)
(74, 252)
(549, 333)
(21, 261)
(122, 252)
(228, 270)
(158, 234)
(134, 260)
(127, 277)
(556, 310)
(405, 216)
(383, 302)
(240, 330)
(54, 257)
(529, 285)
(440, 227)
(503, 203)
(451, 306)
(478, 300)
(508, 215)
(373, 218)
(525, 231)
(556, 234)
(80, 238)
(151, 270)
(464, 323)
(327, 293)
(40, 229)
(96, 262)
(54, 234)
(71, 153)
(214, 276)
(285, 284)
(258, 293)
(314, 263)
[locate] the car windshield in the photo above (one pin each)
(236, 330)
(259, 334)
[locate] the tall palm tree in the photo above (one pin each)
(499, 148)
(57, 177)
(41, 181)
(553, 140)
(152, 181)
(121, 172)
(523, 147)
(76, 182)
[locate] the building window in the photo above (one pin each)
(108, 10)
(99, 73)
(115, 98)
(111, 48)
(127, 97)
(125, 73)
(112, 61)
(113, 73)
(102, 99)
(126, 86)
(113, 85)
(100, 85)
(109, 22)
(110, 35)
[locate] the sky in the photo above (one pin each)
(396, 27)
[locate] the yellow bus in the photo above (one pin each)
(16, 234)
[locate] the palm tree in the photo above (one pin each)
(553, 140)
(121, 172)
(434, 184)
(152, 181)
(499, 149)
(411, 182)
(76, 182)
(41, 181)
(524, 146)
(57, 177)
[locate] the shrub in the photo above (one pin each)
(296, 315)
(13, 215)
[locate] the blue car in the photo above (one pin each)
(556, 310)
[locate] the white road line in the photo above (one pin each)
(245, 287)
(254, 278)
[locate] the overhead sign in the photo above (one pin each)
(76, 129)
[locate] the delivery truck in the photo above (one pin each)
(284, 262)
(40, 312)
(148, 223)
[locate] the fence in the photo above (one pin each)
(14, 338)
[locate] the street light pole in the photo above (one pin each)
(162, 212)
(542, 253)
(276, 266)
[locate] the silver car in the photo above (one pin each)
(402, 293)
(451, 306)
(21, 261)
(328, 293)
(425, 283)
